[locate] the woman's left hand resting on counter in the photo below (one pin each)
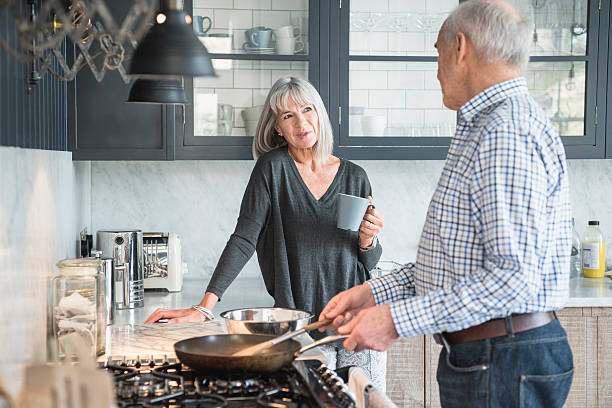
(372, 224)
(190, 315)
(355, 313)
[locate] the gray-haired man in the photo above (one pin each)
(492, 262)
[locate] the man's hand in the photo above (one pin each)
(373, 328)
(342, 307)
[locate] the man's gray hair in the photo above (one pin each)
(302, 93)
(498, 35)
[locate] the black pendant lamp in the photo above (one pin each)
(171, 47)
(158, 91)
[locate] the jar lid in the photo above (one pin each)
(79, 266)
(593, 222)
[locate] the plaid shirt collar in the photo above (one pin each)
(492, 95)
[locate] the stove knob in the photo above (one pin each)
(322, 368)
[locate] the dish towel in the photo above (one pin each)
(365, 394)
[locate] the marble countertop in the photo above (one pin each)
(590, 292)
(130, 337)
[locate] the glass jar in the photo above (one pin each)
(78, 304)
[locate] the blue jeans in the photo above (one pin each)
(532, 369)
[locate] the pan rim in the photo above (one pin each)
(264, 336)
(224, 314)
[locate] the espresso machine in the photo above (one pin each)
(125, 248)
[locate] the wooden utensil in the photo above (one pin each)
(258, 348)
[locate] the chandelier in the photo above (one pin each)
(101, 43)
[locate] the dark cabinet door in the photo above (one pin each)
(102, 126)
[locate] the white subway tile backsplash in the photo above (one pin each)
(424, 99)
(440, 115)
(407, 42)
(358, 98)
(289, 5)
(369, 5)
(213, 4)
(387, 99)
(252, 4)
(279, 73)
(389, 66)
(400, 118)
(368, 42)
(406, 80)
(233, 19)
(271, 18)
(271, 65)
(252, 79)
(442, 6)
(224, 79)
(259, 96)
(407, 6)
(368, 80)
(241, 98)
(431, 80)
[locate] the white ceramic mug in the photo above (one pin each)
(286, 32)
(373, 125)
(288, 45)
(250, 127)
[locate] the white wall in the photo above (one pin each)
(44, 203)
(200, 201)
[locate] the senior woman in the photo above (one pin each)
(288, 216)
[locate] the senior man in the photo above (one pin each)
(492, 262)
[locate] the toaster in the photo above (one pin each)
(162, 261)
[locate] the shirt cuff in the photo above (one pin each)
(382, 288)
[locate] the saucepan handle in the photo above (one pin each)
(324, 340)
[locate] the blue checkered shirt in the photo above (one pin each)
(497, 237)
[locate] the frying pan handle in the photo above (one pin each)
(310, 327)
(324, 340)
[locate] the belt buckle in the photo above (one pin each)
(438, 338)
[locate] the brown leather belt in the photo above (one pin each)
(498, 327)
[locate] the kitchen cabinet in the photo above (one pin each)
(222, 118)
(375, 67)
(102, 126)
(390, 99)
(589, 331)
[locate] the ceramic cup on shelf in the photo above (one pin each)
(288, 46)
(253, 113)
(201, 24)
(250, 127)
(258, 37)
(288, 31)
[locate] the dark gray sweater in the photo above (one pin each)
(304, 259)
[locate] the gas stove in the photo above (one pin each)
(151, 382)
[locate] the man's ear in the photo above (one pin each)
(461, 44)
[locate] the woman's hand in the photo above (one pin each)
(176, 316)
(371, 226)
(190, 315)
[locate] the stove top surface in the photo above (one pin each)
(168, 383)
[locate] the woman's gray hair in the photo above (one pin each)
(303, 93)
(497, 33)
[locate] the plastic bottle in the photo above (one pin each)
(575, 258)
(593, 252)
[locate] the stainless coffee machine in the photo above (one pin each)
(125, 247)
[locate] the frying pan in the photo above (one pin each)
(214, 353)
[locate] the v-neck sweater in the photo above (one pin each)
(304, 258)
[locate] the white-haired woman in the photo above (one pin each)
(288, 216)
